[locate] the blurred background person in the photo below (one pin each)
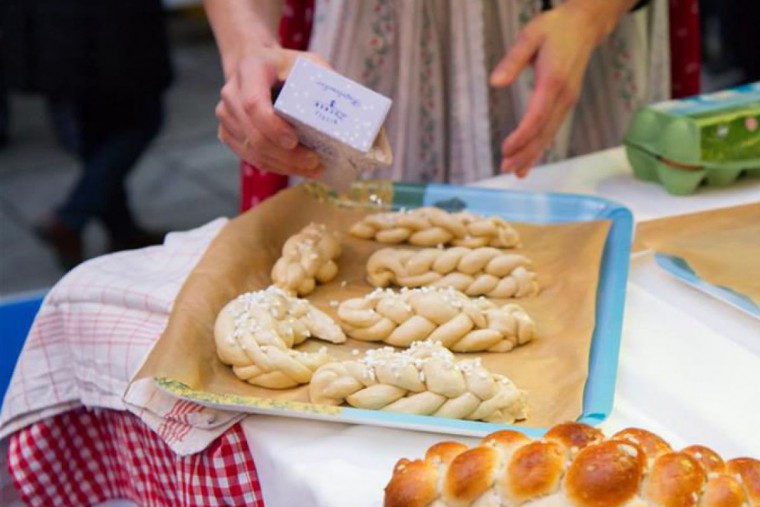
(730, 41)
(103, 68)
(4, 108)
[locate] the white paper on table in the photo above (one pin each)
(683, 372)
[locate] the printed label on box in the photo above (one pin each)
(337, 117)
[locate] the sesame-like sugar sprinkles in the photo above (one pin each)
(417, 355)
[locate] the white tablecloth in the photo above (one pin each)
(689, 364)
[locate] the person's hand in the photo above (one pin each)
(558, 44)
(248, 124)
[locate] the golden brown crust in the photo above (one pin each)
(469, 474)
(505, 439)
(604, 475)
(749, 470)
(534, 470)
(574, 465)
(574, 436)
(723, 491)
(652, 445)
(675, 480)
(709, 459)
(413, 484)
(444, 452)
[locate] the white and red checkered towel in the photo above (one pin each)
(92, 334)
(83, 457)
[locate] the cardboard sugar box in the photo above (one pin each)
(339, 119)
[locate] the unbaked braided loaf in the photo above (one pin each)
(448, 316)
(430, 226)
(255, 334)
(307, 257)
(575, 466)
(474, 271)
(425, 380)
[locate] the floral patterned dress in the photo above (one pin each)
(433, 58)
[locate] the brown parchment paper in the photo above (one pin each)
(552, 369)
(722, 246)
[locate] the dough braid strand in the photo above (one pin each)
(481, 271)
(431, 226)
(256, 332)
(425, 380)
(448, 316)
(307, 257)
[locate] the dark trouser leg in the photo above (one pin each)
(113, 135)
(64, 115)
(4, 108)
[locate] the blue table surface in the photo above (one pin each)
(16, 317)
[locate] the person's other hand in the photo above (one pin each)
(248, 124)
(558, 44)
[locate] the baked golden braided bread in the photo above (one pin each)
(481, 271)
(431, 226)
(447, 316)
(425, 380)
(256, 332)
(307, 257)
(573, 465)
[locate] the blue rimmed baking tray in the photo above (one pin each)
(679, 268)
(529, 207)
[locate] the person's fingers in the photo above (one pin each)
(285, 168)
(232, 142)
(541, 105)
(228, 120)
(232, 103)
(254, 82)
(523, 171)
(524, 159)
(259, 149)
(517, 58)
(517, 162)
(299, 162)
(299, 158)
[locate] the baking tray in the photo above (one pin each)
(530, 207)
(681, 270)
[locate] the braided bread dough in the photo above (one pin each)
(573, 465)
(307, 258)
(425, 380)
(255, 334)
(476, 272)
(447, 316)
(431, 226)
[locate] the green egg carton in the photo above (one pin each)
(708, 140)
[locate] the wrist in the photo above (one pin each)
(242, 29)
(601, 16)
(250, 48)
